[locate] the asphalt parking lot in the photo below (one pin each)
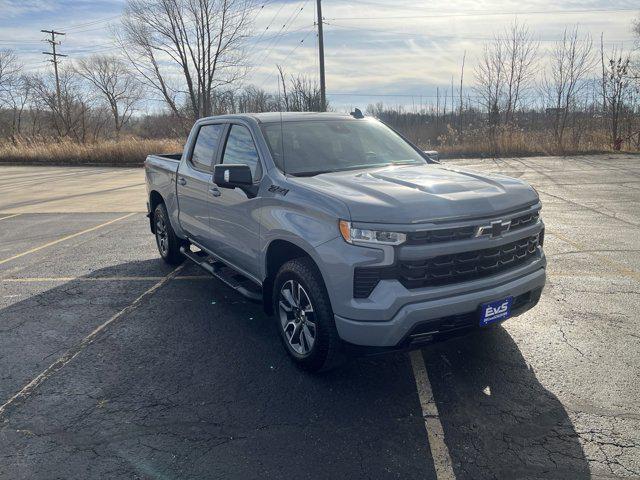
(113, 365)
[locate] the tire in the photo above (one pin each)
(166, 240)
(305, 318)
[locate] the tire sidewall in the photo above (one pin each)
(161, 211)
(323, 314)
(173, 255)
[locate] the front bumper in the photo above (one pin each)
(425, 319)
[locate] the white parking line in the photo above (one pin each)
(10, 216)
(435, 432)
(73, 352)
(33, 250)
(100, 279)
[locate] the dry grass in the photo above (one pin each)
(125, 152)
(509, 142)
(131, 152)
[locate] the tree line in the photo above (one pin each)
(188, 59)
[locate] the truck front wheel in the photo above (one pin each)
(166, 240)
(304, 316)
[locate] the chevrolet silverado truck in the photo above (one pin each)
(349, 235)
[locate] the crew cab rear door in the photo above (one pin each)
(195, 180)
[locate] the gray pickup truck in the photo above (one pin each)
(351, 236)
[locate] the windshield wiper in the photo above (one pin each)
(310, 174)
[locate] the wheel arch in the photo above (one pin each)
(277, 254)
(155, 199)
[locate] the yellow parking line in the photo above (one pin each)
(10, 216)
(68, 237)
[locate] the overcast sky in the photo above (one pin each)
(397, 52)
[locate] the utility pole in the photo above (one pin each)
(54, 60)
(323, 85)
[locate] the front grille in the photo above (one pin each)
(524, 220)
(464, 233)
(437, 236)
(447, 269)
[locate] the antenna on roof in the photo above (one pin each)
(357, 113)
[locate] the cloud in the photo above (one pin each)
(16, 8)
(405, 47)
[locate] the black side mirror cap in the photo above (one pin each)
(232, 176)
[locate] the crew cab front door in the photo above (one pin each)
(194, 183)
(233, 214)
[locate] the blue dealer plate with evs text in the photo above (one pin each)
(495, 311)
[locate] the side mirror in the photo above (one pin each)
(433, 155)
(232, 176)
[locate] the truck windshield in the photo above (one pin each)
(321, 146)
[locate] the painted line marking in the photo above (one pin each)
(68, 237)
(75, 350)
(10, 216)
(100, 279)
(435, 432)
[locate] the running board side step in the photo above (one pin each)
(225, 274)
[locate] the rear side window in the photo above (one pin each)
(240, 149)
(204, 151)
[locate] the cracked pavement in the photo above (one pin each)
(193, 383)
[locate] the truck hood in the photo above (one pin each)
(421, 193)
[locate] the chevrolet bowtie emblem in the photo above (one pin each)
(494, 229)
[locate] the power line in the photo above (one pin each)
(259, 39)
(292, 18)
(298, 45)
(271, 22)
(92, 22)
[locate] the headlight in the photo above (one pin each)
(361, 235)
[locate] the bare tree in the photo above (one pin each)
(9, 73)
(490, 79)
(185, 48)
(115, 82)
(571, 62)
(304, 95)
(506, 71)
(615, 85)
(14, 90)
(68, 115)
(254, 99)
(521, 52)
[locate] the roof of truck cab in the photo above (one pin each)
(276, 117)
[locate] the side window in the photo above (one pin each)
(204, 151)
(240, 149)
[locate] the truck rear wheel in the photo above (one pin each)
(166, 240)
(304, 316)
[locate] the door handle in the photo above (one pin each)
(182, 181)
(215, 192)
